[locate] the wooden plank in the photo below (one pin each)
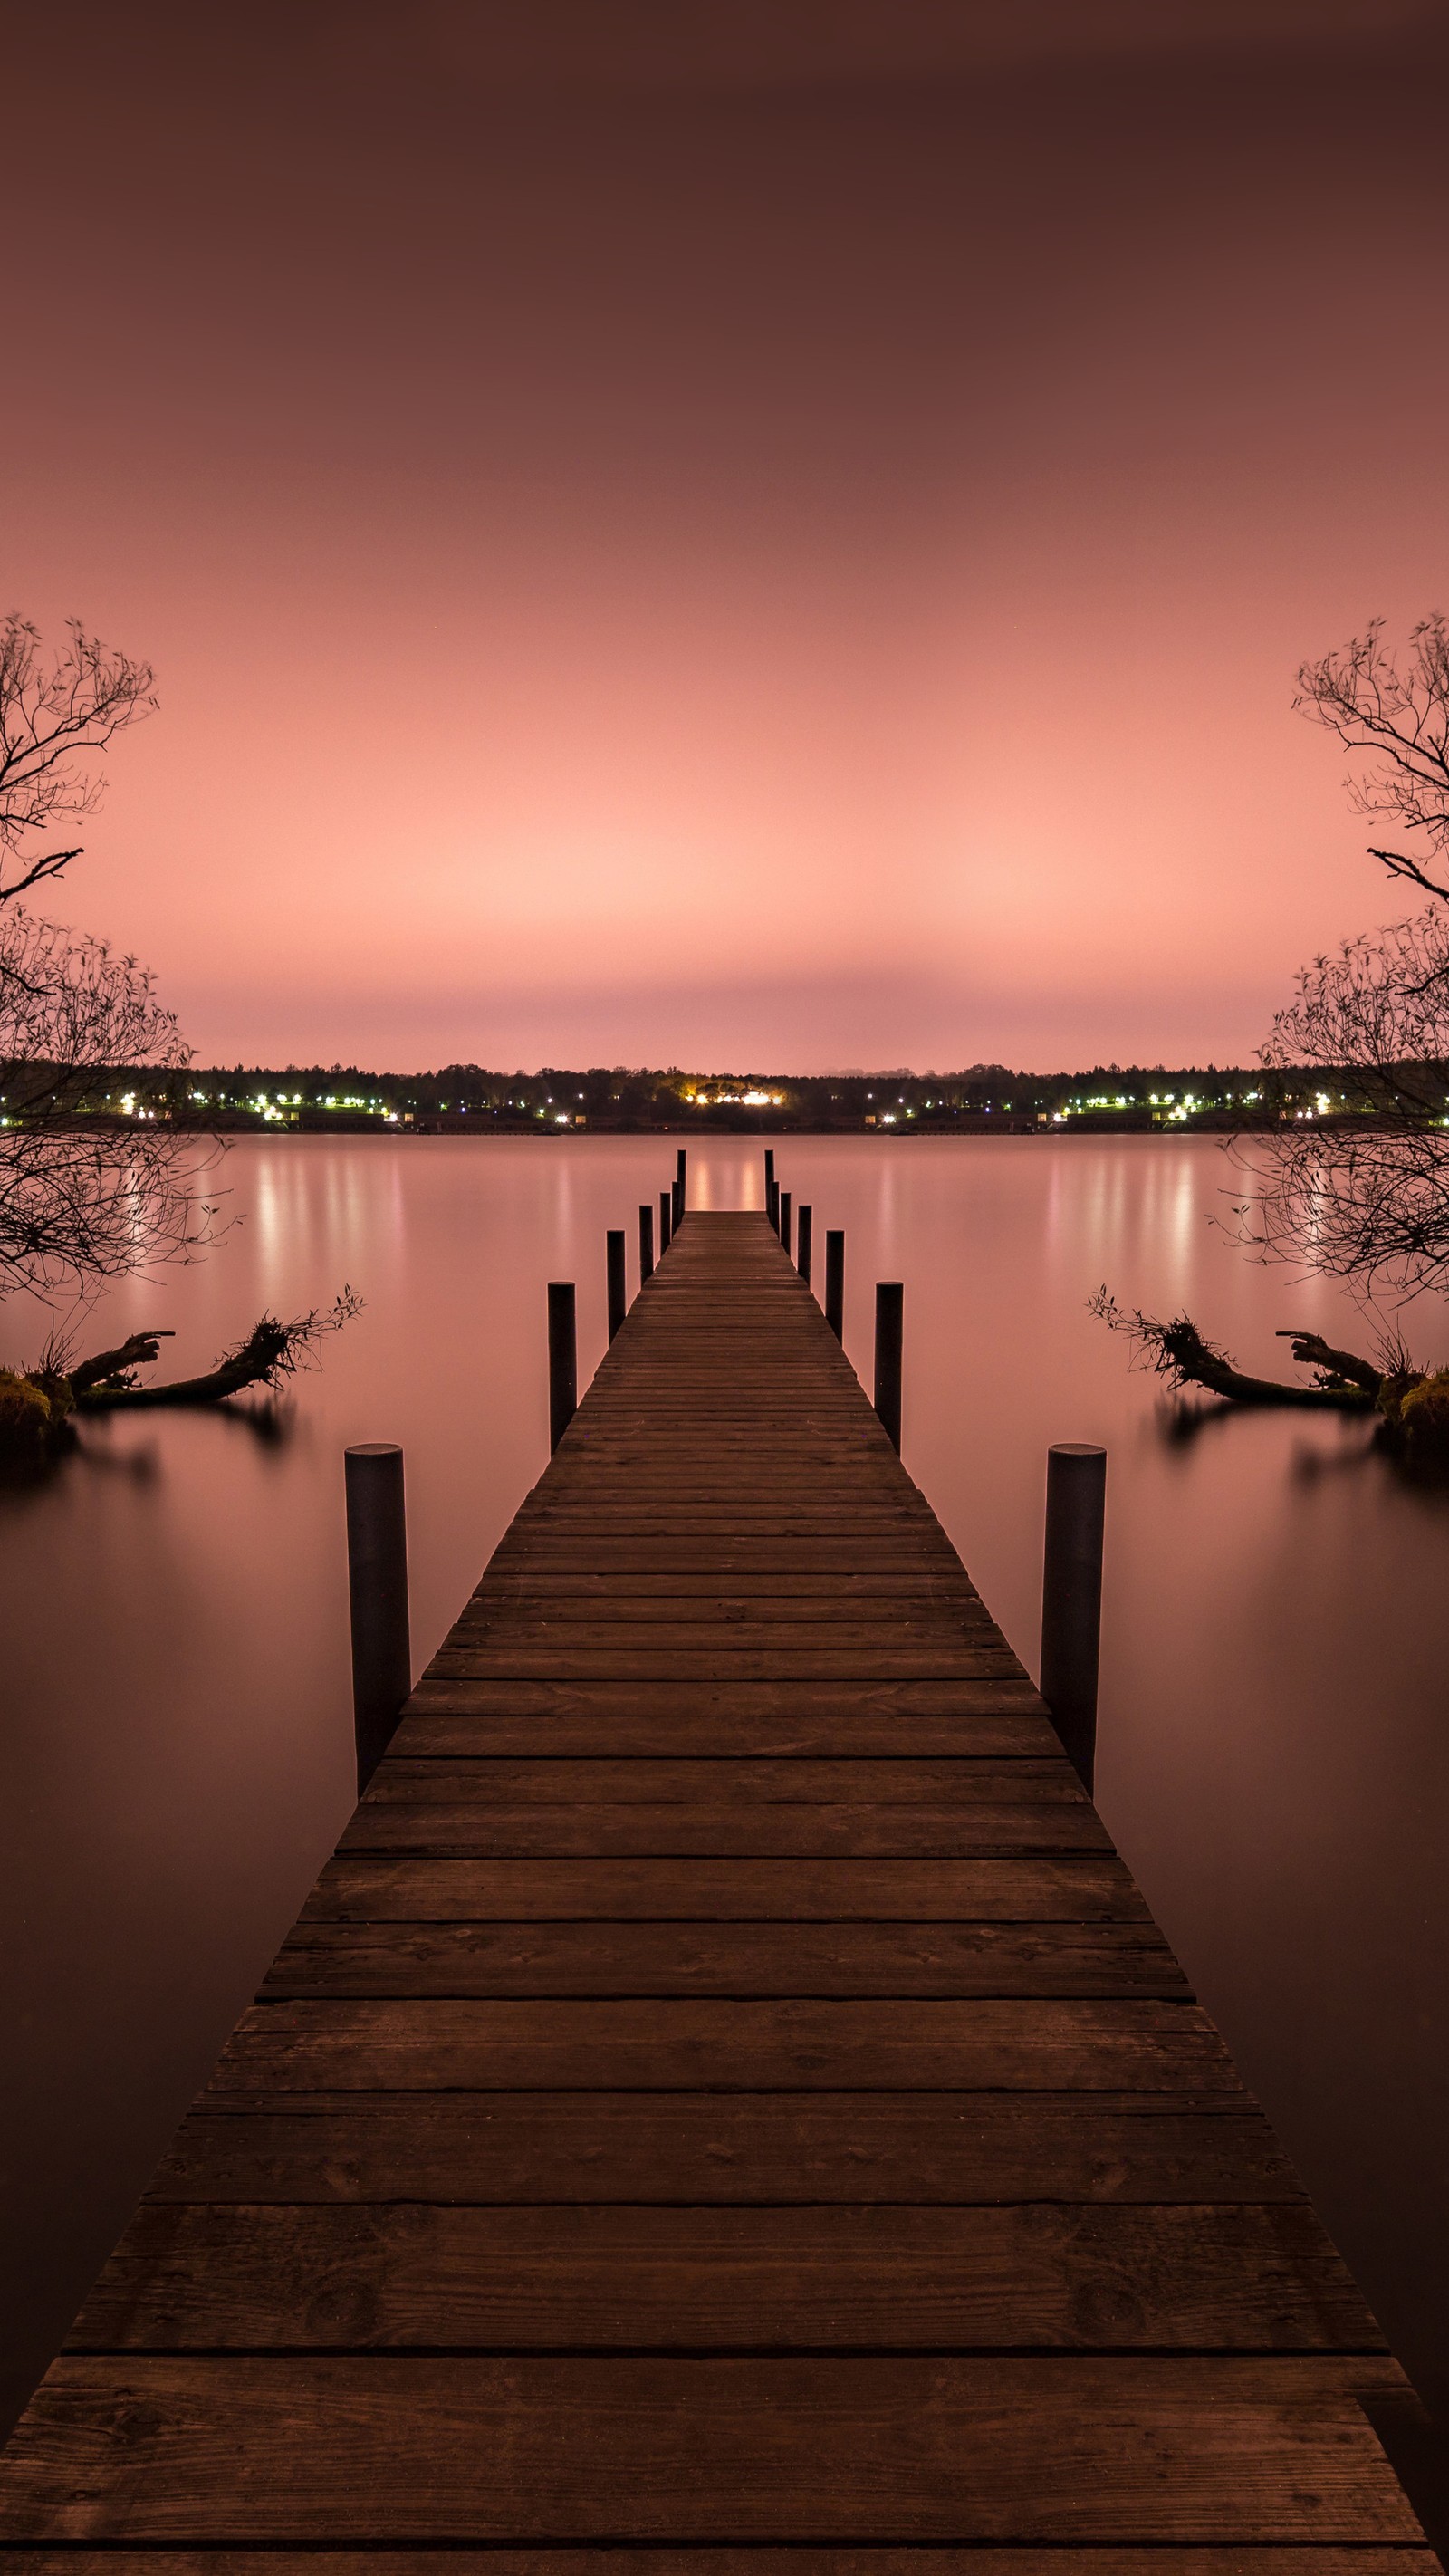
(567, 1590)
(727, 1553)
(1070, 1887)
(972, 2560)
(666, 1958)
(788, 1620)
(1255, 2279)
(508, 1634)
(958, 1700)
(213, 2448)
(609, 1662)
(744, 1719)
(596, 1830)
(702, 1781)
(662, 2044)
(723, 2148)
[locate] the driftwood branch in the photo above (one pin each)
(1336, 1367)
(113, 1368)
(1409, 1404)
(271, 1351)
(1179, 1351)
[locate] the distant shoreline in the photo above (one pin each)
(467, 1100)
(987, 1123)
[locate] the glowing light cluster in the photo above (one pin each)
(738, 1099)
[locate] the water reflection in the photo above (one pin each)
(176, 1757)
(1181, 1424)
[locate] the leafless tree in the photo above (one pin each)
(56, 716)
(1365, 1198)
(1396, 724)
(86, 1196)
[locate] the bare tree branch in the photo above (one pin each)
(1365, 1198)
(1410, 1405)
(110, 1368)
(38, 1406)
(271, 1351)
(1179, 1351)
(56, 716)
(84, 1195)
(1395, 723)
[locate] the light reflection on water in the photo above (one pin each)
(176, 1755)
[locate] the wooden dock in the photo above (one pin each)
(725, 2105)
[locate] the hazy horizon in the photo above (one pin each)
(773, 533)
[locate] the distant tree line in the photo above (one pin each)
(626, 1099)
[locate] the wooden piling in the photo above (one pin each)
(615, 1280)
(563, 1365)
(377, 1582)
(835, 1281)
(889, 1302)
(1071, 1610)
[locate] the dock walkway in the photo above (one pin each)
(725, 2104)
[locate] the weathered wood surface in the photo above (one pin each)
(725, 2108)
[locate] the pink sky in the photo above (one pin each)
(783, 548)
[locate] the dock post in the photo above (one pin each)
(563, 1362)
(377, 1581)
(785, 1219)
(1071, 1601)
(680, 1161)
(835, 1281)
(803, 1232)
(646, 1244)
(666, 1204)
(889, 1301)
(614, 1278)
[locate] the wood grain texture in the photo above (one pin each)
(1001, 1719)
(834, 1960)
(1028, 2277)
(719, 2148)
(202, 2448)
(664, 2044)
(941, 1831)
(704, 1782)
(725, 2107)
(1080, 1888)
(970, 2560)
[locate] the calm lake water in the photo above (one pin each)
(177, 1755)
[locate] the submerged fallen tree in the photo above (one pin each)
(1411, 1404)
(38, 1406)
